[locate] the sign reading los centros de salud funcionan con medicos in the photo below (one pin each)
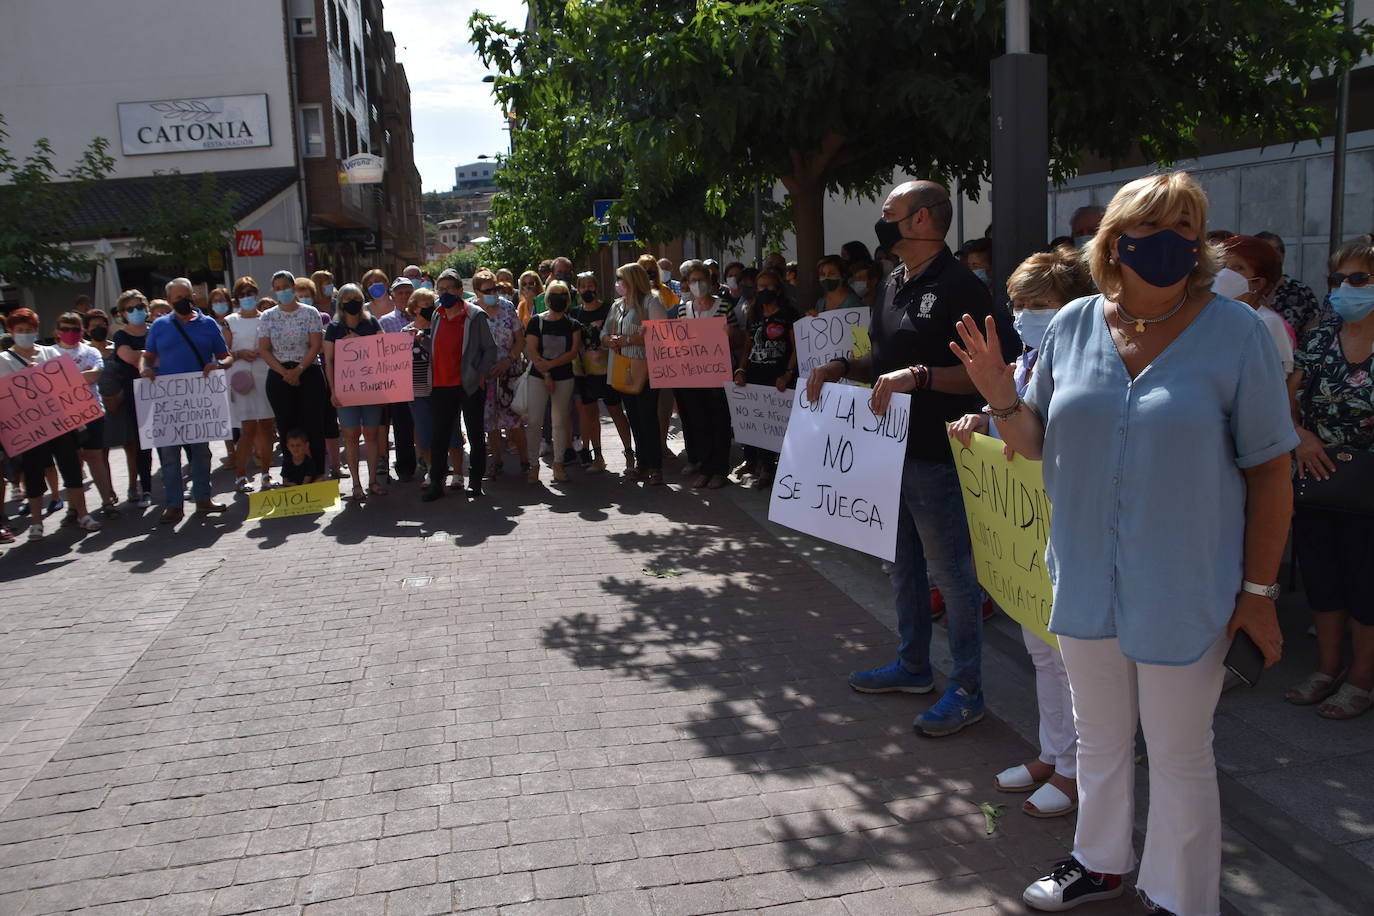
(194, 125)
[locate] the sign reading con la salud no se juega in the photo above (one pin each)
(1009, 519)
(687, 353)
(840, 474)
(375, 369)
(194, 125)
(183, 409)
(43, 402)
(758, 414)
(827, 336)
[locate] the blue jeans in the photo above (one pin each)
(170, 457)
(932, 533)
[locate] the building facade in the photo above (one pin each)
(264, 109)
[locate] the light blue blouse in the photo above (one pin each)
(1147, 537)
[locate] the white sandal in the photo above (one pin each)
(1049, 801)
(1346, 703)
(1016, 779)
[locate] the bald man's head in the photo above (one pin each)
(912, 196)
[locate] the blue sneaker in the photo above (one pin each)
(892, 678)
(951, 713)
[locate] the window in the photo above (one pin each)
(312, 131)
(305, 27)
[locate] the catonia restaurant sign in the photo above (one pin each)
(194, 125)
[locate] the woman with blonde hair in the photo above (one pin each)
(1158, 409)
(623, 333)
(530, 287)
(324, 282)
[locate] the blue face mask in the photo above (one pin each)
(425, 284)
(306, 300)
(329, 290)
(247, 303)
(490, 299)
(137, 316)
(25, 340)
(285, 296)
(982, 274)
(219, 307)
(1161, 259)
(377, 290)
(1353, 303)
(1031, 325)
(1081, 241)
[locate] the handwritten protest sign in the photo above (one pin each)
(687, 353)
(827, 336)
(309, 499)
(43, 402)
(183, 409)
(758, 414)
(840, 474)
(1009, 518)
(373, 370)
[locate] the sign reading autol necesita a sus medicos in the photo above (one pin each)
(194, 125)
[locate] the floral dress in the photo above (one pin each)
(1337, 396)
(501, 391)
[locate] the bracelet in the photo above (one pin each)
(1007, 413)
(922, 376)
(739, 371)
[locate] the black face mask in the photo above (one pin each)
(182, 307)
(448, 300)
(99, 332)
(566, 278)
(557, 302)
(427, 312)
(766, 296)
(589, 295)
(352, 307)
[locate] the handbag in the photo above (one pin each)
(520, 397)
(1350, 488)
(625, 373)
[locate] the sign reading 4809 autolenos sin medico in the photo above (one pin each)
(194, 125)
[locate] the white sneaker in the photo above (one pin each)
(35, 531)
(1068, 885)
(145, 499)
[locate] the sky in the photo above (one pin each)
(453, 112)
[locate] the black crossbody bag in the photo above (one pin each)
(1350, 488)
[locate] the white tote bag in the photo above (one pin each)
(520, 400)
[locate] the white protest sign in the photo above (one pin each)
(183, 409)
(840, 475)
(758, 414)
(827, 336)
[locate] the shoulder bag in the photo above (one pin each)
(626, 374)
(1350, 488)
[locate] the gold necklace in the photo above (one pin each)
(1140, 323)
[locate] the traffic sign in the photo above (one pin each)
(601, 210)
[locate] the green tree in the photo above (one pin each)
(187, 219)
(39, 203)
(465, 262)
(834, 95)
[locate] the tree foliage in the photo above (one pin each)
(39, 203)
(678, 100)
(185, 221)
(465, 262)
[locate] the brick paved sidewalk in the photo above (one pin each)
(417, 708)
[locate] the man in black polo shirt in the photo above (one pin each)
(913, 322)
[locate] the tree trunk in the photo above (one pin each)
(808, 219)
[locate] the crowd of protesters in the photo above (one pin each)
(1173, 379)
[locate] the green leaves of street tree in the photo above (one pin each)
(38, 203)
(834, 95)
(186, 220)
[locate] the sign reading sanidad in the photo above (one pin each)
(194, 125)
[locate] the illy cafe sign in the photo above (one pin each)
(194, 125)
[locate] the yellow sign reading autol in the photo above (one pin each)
(1009, 519)
(310, 499)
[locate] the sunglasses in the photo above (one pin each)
(1358, 278)
(68, 327)
(487, 290)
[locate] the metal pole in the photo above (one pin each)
(758, 226)
(1338, 153)
(1018, 27)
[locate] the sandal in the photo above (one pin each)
(655, 478)
(359, 494)
(1049, 801)
(1346, 703)
(243, 485)
(700, 482)
(1315, 688)
(1016, 779)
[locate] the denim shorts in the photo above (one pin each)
(360, 415)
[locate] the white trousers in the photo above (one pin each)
(539, 397)
(1181, 867)
(1058, 736)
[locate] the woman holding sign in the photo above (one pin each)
(705, 412)
(353, 320)
(1159, 411)
(770, 360)
(65, 449)
(623, 334)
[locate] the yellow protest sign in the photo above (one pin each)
(1009, 519)
(863, 344)
(309, 499)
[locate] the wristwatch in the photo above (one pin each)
(1268, 591)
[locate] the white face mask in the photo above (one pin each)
(732, 284)
(860, 288)
(700, 288)
(1031, 325)
(664, 275)
(1230, 284)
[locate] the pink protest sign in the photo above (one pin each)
(373, 370)
(687, 353)
(43, 402)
